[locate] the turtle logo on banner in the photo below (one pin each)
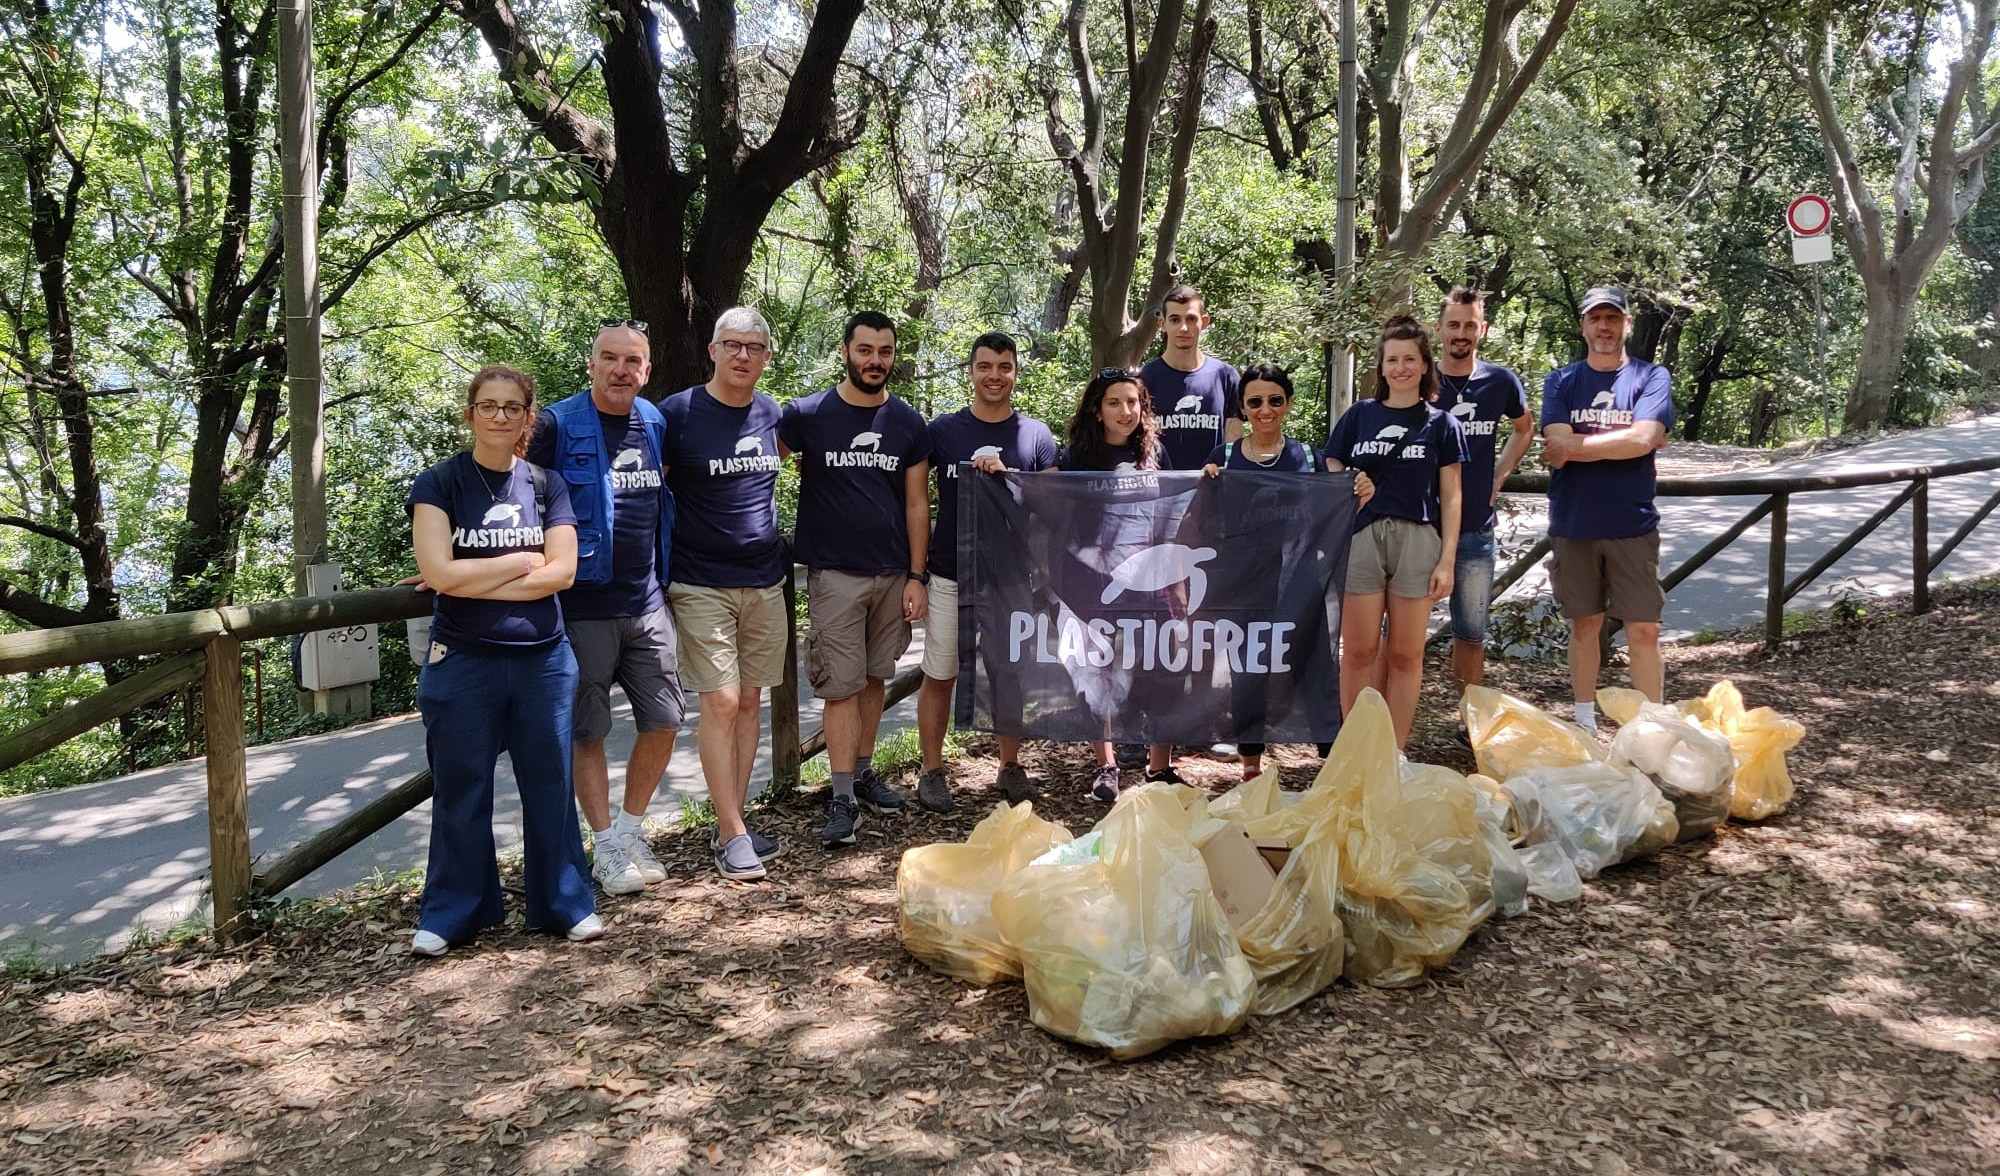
(1152, 607)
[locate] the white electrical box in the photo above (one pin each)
(332, 658)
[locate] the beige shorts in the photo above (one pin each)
(857, 633)
(1393, 554)
(941, 631)
(729, 636)
(1616, 576)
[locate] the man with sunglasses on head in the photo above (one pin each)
(607, 445)
(729, 564)
(864, 526)
(1480, 395)
(989, 437)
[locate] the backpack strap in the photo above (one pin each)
(540, 477)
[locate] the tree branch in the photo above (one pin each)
(43, 529)
(34, 610)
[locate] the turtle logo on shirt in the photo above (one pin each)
(866, 441)
(985, 451)
(1465, 410)
(628, 459)
(507, 513)
(750, 445)
(1187, 402)
(628, 471)
(1162, 567)
(1188, 414)
(1604, 399)
(864, 452)
(1385, 443)
(749, 458)
(500, 529)
(1391, 433)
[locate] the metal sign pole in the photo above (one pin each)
(1819, 335)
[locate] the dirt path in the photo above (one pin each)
(1815, 994)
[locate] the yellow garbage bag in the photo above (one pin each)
(1294, 942)
(1121, 941)
(1416, 877)
(1760, 738)
(944, 893)
(1510, 736)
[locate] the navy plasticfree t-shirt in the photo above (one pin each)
(1293, 458)
(491, 514)
(1021, 442)
(1605, 499)
(1117, 457)
(1481, 401)
(1364, 436)
(722, 465)
(1191, 407)
(852, 461)
(634, 589)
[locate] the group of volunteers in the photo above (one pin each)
(607, 539)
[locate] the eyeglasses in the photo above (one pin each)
(743, 347)
(493, 410)
(638, 325)
(1259, 401)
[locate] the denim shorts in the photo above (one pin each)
(1472, 586)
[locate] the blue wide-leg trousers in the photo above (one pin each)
(475, 706)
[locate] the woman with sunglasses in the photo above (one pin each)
(1267, 399)
(495, 538)
(1114, 429)
(1406, 532)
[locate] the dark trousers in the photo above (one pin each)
(474, 707)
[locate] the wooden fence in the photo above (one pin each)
(206, 646)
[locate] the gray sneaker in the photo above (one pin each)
(843, 817)
(766, 847)
(738, 860)
(1015, 785)
(870, 791)
(934, 791)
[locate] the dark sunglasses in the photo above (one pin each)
(1258, 401)
(638, 325)
(1117, 373)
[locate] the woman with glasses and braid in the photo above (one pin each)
(495, 538)
(1114, 429)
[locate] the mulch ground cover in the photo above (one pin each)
(1817, 993)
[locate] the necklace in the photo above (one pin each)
(1264, 461)
(1458, 392)
(485, 479)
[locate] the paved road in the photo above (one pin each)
(81, 869)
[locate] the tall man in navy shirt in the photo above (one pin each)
(1603, 418)
(989, 437)
(864, 526)
(1480, 395)
(606, 445)
(728, 571)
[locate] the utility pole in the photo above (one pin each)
(1342, 387)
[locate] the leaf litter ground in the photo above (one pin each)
(1817, 993)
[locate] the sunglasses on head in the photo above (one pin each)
(1117, 373)
(638, 325)
(1275, 401)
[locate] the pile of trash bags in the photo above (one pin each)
(1182, 916)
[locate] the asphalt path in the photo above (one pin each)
(82, 869)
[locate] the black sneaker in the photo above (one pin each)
(1015, 785)
(870, 791)
(1104, 785)
(1166, 775)
(843, 817)
(1463, 737)
(934, 791)
(1131, 755)
(766, 847)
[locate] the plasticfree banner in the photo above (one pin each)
(1152, 607)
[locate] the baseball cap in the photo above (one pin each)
(1598, 296)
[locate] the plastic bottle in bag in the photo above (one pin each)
(1693, 768)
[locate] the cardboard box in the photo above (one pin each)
(1275, 855)
(1237, 872)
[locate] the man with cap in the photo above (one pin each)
(1603, 418)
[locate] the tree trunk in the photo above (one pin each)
(1883, 338)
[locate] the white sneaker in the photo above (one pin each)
(590, 928)
(614, 868)
(424, 943)
(649, 866)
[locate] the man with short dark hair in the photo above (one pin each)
(606, 445)
(988, 436)
(863, 529)
(1603, 418)
(1197, 397)
(1480, 395)
(727, 589)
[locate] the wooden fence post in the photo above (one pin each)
(1920, 547)
(785, 701)
(1774, 580)
(228, 784)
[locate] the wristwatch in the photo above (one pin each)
(923, 578)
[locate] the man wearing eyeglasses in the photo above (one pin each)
(729, 566)
(607, 445)
(1480, 395)
(864, 525)
(990, 437)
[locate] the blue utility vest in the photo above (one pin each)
(581, 462)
